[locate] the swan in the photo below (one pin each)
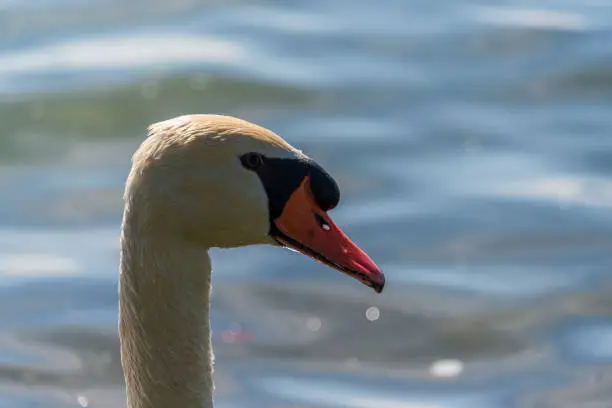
(198, 182)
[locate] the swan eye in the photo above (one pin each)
(252, 161)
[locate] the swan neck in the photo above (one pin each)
(164, 326)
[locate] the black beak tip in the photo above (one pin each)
(378, 286)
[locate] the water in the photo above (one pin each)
(472, 145)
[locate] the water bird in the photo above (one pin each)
(198, 182)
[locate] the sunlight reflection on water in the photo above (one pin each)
(471, 143)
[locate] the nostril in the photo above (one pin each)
(322, 223)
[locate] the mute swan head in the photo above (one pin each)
(218, 181)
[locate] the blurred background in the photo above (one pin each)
(472, 142)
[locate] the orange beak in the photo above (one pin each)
(305, 227)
